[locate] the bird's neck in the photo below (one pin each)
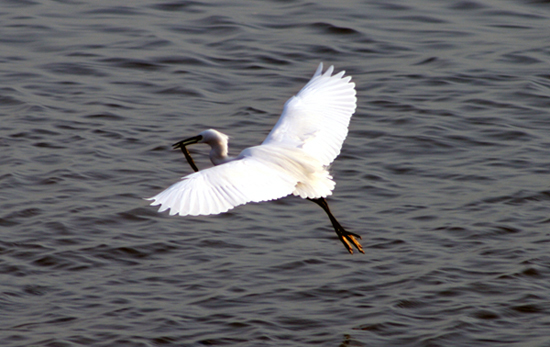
(218, 154)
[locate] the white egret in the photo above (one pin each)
(293, 159)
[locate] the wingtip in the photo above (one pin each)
(341, 74)
(153, 203)
(328, 72)
(319, 70)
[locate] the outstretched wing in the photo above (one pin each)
(317, 118)
(220, 188)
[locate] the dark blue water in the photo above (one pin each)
(445, 174)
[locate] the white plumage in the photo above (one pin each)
(317, 118)
(293, 159)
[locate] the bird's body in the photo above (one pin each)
(293, 159)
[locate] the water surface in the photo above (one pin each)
(445, 174)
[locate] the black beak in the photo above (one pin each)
(186, 142)
(184, 150)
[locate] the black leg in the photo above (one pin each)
(346, 237)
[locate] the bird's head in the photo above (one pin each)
(210, 136)
(217, 141)
(213, 137)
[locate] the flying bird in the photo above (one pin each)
(293, 159)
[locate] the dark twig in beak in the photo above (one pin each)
(182, 144)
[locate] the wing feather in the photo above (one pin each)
(220, 188)
(317, 118)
